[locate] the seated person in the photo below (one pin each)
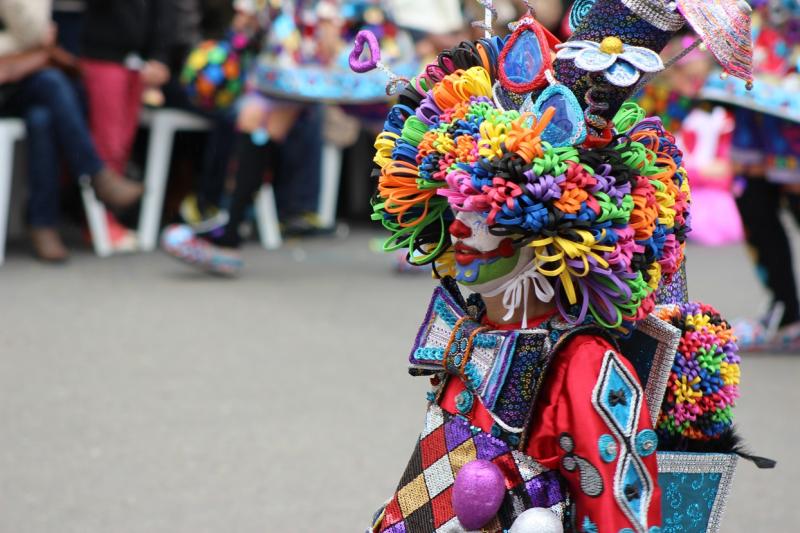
(35, 86)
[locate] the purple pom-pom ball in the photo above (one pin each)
(477, 493)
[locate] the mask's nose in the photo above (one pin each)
(460, 230)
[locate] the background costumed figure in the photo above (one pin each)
(765, 155)
(289, 57)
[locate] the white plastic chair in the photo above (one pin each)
(329, 188)
(11, 131)
(95, 219)
(164, 124)
(269, 230)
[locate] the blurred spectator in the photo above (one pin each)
(126, 47)
(68, 15)
(444, 25)
(203, 20)
(34, 86)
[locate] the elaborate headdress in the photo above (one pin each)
(550, 153)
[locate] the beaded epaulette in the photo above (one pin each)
(504, 369)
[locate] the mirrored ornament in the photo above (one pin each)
(526, 57)
(567, 127)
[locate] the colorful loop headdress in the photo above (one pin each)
(549, 153)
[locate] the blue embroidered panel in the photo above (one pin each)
(617, 398)
(694, 488)
(687, 501)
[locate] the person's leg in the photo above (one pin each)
(254, 159)
(297, 182)
(253, 162)
(52, 90)
(216, 161)
(217, 250)
(219, 253)
(42, 163)
(759, 206)
(43, 185)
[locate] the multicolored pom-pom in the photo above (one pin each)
(704, 383)
(214, 72)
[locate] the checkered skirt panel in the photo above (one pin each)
(423, 501)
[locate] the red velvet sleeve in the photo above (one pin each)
(593, 426)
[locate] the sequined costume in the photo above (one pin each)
(577, 376)
(530, 179)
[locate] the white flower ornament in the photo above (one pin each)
(621, 64)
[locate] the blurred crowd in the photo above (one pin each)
(81, 72)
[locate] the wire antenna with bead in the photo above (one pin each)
(366, 38)
(489, 16)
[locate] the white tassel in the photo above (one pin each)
(515, 291)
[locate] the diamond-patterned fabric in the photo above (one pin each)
(617, 399)
(423, 501)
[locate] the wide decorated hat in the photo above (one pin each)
(539, 137)
(776, 45)
(305, 53)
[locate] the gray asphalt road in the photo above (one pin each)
(137, 396)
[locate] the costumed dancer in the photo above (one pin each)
(303, 62)
(766, 157)
(564, 210)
